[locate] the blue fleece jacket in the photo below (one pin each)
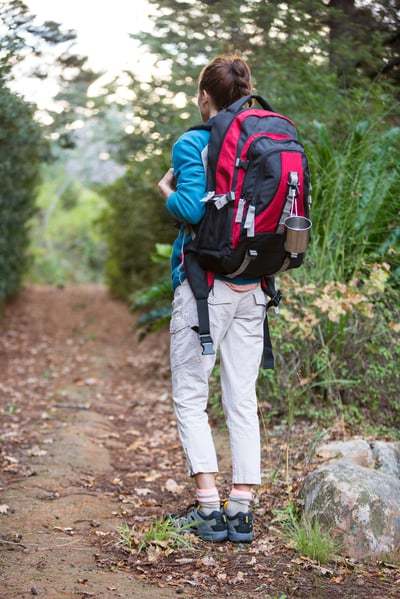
(185, 203)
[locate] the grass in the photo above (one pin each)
(308, 537)
(161, 533)
(311, 541)
(355, 214)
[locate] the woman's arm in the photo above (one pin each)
(184, 201)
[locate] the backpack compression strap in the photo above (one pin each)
(200, 286)
(268, 356)
(268, 285)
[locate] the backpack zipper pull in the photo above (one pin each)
(249, 222)
(240, 210)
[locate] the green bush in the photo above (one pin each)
(21, 148)
(134, 220)
(337, 351)
(158, 296)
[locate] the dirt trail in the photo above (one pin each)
(63, 355)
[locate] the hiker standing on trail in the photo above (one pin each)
(236, 310)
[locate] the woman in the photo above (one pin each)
(237, 310)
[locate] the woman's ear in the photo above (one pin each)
(204, 97)
(204, 104)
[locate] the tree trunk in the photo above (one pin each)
(342, 26)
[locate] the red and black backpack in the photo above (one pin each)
(257, 176)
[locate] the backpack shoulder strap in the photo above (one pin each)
(239, 104)
(203, 126)
(200, 283)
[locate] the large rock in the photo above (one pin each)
(387, 457)
(356, 451)
(357, 497)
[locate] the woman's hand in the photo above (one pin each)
(167, 184)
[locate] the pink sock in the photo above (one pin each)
(208, 499)
(239, 501)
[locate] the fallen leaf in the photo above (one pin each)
(208, 560)
(36, 452)
(90, 382)
(4, 508)
(160, 543)
(143, 491)
(87, 480)
(116, 481)
(153, 554)
(172, 486)
(238, 578)
(100, 533)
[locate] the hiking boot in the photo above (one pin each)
(208, 528)
(240, 527)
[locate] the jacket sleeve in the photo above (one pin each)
(184, 204)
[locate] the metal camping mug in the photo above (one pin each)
(297, 234)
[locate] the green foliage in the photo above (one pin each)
(134, 221)
(126, 536)
(162, 533)
(21, 149)
(355, 209)
(336, 350)
(158, 296)
(66, 244)
(26, 42)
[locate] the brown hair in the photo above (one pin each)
(226, 79)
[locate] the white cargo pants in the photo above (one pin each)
(236, 325)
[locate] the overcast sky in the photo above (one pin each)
(103, 28)
(102, 35)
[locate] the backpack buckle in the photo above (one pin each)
(206, 343)
(275, 299)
